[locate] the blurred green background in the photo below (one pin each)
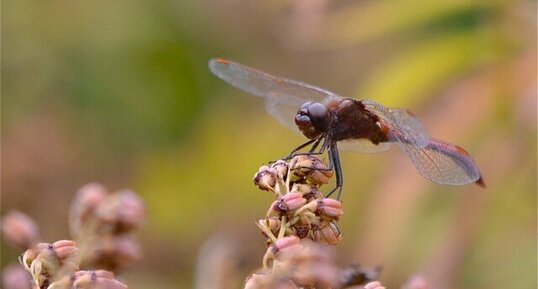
(119, 92)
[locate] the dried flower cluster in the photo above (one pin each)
(300, 209)
(101, 224)
(299, 226)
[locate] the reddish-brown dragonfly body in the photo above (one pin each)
(333, 121)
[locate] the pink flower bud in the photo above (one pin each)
(416, 282)
(293, 201)
(287, 242)
(84, 205)
(286, 204)
(257, 281)
(19, 230)
(15, 277)
(113, 252)
(274, 209)
(374, 285)
(99, 279)
(122, 211)
(330, 208)
(46, 261)
(64, 249)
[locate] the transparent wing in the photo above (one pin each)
(275, 89)
(283, 112)
(363, 146)
(443, 163)
(403, 127)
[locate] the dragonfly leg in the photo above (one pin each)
(334, 161)
(311, 151)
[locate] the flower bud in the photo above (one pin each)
(84, 205)
(273, 223)
(64, 249)
(281, 168)
(99, 279)
(301, 166)
(374, 285)
(45, 261)
(293, 201)
(310, 169)
(263, 281)
(113, 252)
(358, 275)
(330, 208)
(285, 204)
(19, 230)
(309, 191)
(15, 277)
(416, 282)
(310, 266)
(266, 178)
(257, 281)
(301, 231)
(328, 233)
(286, 243)
(320, 177)
(274, 209)
(122, 211)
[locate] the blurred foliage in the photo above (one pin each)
(120, 93)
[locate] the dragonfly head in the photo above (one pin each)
(312, 119)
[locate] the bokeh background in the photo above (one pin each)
(119, 92)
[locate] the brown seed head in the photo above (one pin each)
(328, 233)
(19, 230)
(281, 168)
(310, 169)
(266, 178)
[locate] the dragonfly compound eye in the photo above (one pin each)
(318, 115)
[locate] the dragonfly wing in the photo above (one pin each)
(283, 112)
(443, 163)
(279, 90)
(363, 146)
(403, 127)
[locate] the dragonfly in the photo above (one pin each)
(330, 121)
